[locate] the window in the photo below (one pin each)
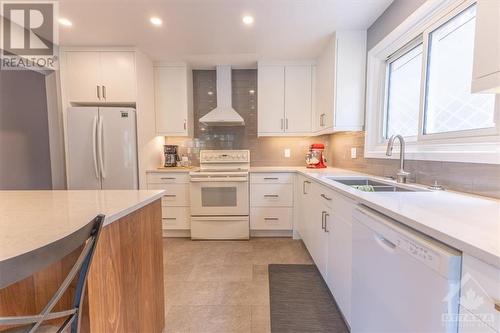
(450, 106)
(403, 93)
(419, 85)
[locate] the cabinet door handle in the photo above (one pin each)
(326, 222)
(104, 92)
(98, 91)
(271, 218)
(282, 123)
(170, 195)
(304, 186)
(286, 123)
(271, 196)
(167, 178)
(323, 220)
(325, 197)
(271, 178)
(185, 125)
(171, 218)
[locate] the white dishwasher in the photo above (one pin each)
(403, 281)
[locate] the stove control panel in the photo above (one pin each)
(225, 156)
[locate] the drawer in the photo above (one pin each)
(168, 178)
(175, 218)
(175, 195)
(340, 204)
(271, 178)
(272, 218)
(470, 323)
(271, 195)
(481, 281)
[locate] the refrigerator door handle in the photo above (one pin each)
(94, 146)
(100, 147)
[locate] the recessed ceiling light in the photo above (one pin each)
(248, 19)
(156, 21)
(65, 22)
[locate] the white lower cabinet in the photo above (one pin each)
(325, 227)
(470, 323)
(271, 203)
(175, 218)
(479, 295)
(338, 276)
(175, 203)
(271, 218)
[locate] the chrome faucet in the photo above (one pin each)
(402, 175)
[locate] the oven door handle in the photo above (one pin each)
(219, 179)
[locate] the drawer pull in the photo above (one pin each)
(170, 218)
(325, 197)
(497, 306)
(271, 219)
(271, 195)
(271, 178)
(167, 178)
(170, 195)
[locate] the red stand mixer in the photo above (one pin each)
(315, 158)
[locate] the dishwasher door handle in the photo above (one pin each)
(385, 243)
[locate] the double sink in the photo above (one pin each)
(371, 185)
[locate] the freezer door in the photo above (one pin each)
(83, 171)
(117, 144)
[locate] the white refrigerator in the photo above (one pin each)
(102, 148)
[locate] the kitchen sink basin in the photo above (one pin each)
(377, 185)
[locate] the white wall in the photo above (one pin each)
(150, 146)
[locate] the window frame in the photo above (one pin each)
(408, 47)
(475, 145)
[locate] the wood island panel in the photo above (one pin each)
(125, 283)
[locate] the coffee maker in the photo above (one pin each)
(315, 158)
(171, 156)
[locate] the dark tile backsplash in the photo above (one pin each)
(482, 179)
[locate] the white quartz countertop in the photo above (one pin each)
(30, 220)
(466, 222)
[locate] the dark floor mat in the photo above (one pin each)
(301, 301)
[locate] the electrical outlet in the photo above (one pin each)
(287, 153)
(353, 152)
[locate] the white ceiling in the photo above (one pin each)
(207, 32)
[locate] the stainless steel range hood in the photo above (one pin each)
(223, 114)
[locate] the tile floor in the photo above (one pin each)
(213, 286)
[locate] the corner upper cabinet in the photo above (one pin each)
(173, 100)
(340, 84)
(486, 66)
(100, 77)
(284, 99)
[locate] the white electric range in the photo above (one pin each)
(220, 195)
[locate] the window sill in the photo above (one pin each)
(485, 153)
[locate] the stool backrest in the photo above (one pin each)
(86, 238)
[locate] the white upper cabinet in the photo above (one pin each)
(298, 99)
(173, 100)
(118, 77)
(340, 84)
(285, 99)
(100, 77)
(83, 76)
(486, 68)
(271, 99)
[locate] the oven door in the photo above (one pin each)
(219, 196)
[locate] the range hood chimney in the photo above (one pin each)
(223, 114)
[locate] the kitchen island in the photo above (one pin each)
(124, 290)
